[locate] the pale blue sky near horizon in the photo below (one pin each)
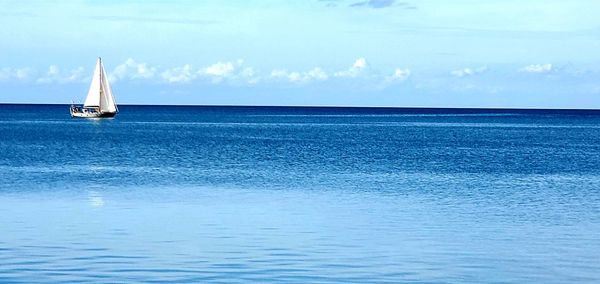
(426, 53)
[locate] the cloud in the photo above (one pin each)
(249, 75)
(216, 73)
(279, 73)
(537, 68)
(55, 75)
(330, 3)
(399, 75)
(181, 74)
(20, 74)
(465, 72)
(131, 69)
(318, 74)
(248, 72)
(219, 71)
(53, 71)
(315, 74)
(377, 4)
(76, 75)
(359, 65)
(231, 71)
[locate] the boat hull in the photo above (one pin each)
(93, 114)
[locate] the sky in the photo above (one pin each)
(426, 53)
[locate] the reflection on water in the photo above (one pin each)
(96, 199)
(299, 195)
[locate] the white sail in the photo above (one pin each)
(109, 104)
(93, 97)
(100, 94)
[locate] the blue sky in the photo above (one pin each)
(431, 53)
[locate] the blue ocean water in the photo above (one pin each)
(299, 195)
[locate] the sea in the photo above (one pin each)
(223, 194)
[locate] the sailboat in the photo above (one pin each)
(100, 101)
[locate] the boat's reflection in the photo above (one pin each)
(95, 199)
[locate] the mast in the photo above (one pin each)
(101, 80)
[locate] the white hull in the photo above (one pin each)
(90, 114)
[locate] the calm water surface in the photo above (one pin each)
(299, 195)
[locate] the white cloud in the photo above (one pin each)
(284, 74)
(219, 69)
(247, 72)
(295, 77)
(53, 70)
(179, 74)
(537, 68)
(216, 73)
(55, 75)
(318, 74)
(279, 73)
(400, 75)
(131, 69)
(465, 72)
(23, 73)
(233, 71)
(76, 75)
(359, 65)
(51, 75)
(20, 74)
(315, 74)
(250, 75)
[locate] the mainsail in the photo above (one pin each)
(100, 94)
